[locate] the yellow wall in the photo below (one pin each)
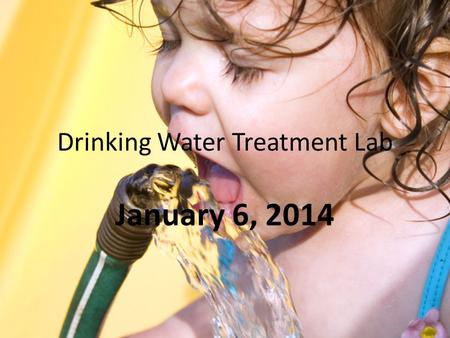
(68, 67)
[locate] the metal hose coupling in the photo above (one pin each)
(126, 242)
(143, 191)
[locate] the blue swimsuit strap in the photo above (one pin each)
(437, 276)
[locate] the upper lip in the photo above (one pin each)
(201, 161)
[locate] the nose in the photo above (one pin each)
(185, 82)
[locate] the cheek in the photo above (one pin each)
(310, 103)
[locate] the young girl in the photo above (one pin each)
(371, 73)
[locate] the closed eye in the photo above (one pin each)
(239, 73)
(242, 74)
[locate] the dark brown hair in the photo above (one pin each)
(405, 29)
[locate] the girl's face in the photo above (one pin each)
(201, 88)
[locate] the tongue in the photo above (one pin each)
(224, 184)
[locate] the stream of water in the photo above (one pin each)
(247, 291)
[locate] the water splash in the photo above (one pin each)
(232, 267)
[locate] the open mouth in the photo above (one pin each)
(225, 186)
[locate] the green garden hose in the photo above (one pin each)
(117, 248)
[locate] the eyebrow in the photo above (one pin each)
(207, 24)
(160, 8)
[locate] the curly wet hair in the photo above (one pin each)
(405, 29)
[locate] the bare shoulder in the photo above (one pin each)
(194, 321)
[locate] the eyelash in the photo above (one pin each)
(239, 73)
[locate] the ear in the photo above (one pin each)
(434, 93)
